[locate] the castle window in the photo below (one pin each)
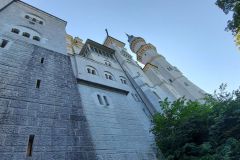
(27, 17)
(3, 43)
(108, 75)
(169, 68)
(106, 100)
(170, 80)
(108, 63)
(34, 20)
(38, 83)
(15, 30)
(25, 34)
(91, 70)
(186, 84)
(36, 38)
(30, 145)
(100, 99)
(123, 80)
(42, 60)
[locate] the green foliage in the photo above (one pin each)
(232, 6)
(190, 130)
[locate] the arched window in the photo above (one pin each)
(25, 34)
(15, 30)
(91, 70)
(36, 38)
(27, 17)
(108, 63)
(109, 75)
(40, 22)
(123, 80)
(34, 20)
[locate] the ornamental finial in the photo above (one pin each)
(130, 37)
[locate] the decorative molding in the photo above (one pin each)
(148, 66)
(143, 49)
(109, 40)
(135, 41)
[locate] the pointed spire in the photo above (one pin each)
(130, 37)
(106, 32)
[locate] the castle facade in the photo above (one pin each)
(65, 99)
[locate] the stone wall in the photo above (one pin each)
(52, 112)
(120, 130)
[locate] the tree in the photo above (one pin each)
(232, 6)
(238, 39)
(189, 130)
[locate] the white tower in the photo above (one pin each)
(161, 72)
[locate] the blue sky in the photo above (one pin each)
(189, 33)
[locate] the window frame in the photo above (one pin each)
(26, 34)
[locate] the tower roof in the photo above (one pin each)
(130, 38)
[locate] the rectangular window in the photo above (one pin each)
(106, 101)
(89, 70)
(42, 60)
(38, 83)
(100, 99)
(3, 43)
(30, 145)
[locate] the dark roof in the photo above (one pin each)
(97, 45)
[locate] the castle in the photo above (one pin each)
(65, 99)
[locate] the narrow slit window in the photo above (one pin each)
(100, 99)
(30, 145)
(106, 76)
(38, 83)
(3, 43)
(42, 60)
(106, 101)
(89, 70)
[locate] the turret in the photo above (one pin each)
(146, 52)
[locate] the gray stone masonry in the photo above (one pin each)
(52, 112)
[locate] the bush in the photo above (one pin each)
(190, 130)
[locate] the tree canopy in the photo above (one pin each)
(233, 7)
(190, 130)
